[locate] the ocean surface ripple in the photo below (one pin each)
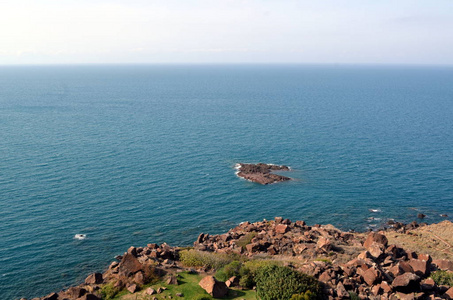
(128, 155)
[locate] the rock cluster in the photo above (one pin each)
(131, 271)
(380, 271)
(345, 262)
(262, 173)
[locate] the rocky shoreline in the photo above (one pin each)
(261, 173)
(366, 265)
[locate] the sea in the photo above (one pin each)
(124, 155)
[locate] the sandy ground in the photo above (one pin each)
(435, 240)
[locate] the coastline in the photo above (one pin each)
(332, 256)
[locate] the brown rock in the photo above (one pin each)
(372, 276)
(132, 250)
(449, 293)
(374, 237)
(428, 284)
(443, 264)
(406, 283)
(341, 291)
(172, 280)
(129, 265)
(420, 267)
(376, 250)
(325, 277)
(212, 286)
(139, 278)
(232, 282)
(75, 292)
(281, 228)
(324, 244)
(386, 287)
(132, 288)
(53, 296)
(150, 291)
(95, 278)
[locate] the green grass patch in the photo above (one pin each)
(210, 260)
(188, 286)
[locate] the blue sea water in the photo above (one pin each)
(130, 155)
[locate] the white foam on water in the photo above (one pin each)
(80, 236)
(375, 210)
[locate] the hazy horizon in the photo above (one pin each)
(229, 32)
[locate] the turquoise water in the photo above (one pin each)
(130, 155)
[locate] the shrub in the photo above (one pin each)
(232, 269)
(280, 283)
(108, 291)
(354, 296)
(305, 296)
(194, 258)
(441, 277)
(245, 239)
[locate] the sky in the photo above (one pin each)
(226, 31)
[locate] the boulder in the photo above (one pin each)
(132, 288)
(95, 278)
(371, 276)
(129, 265)
(374, 237)
(213, 287)
(324, 244)
(406, 283)
(443, 264)
(233, 281)
(449, 293)
(341, 291)
(75, 292)
(281, 228)
(172, 279)
(420, 267)
(53, 296)
(150, 291)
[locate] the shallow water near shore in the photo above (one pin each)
(129, 155)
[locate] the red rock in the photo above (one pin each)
(132, 288)
(376, 290)
(139, 278)
(408, 282)
(53, 296)
(95, 278)
(132, 250)
(172, 280)
(443, 264)
(341, 291)
(129, 265)
(449, 293)
(426, 257)
(386, 287)
(372, 276)
(325, 277)
(75, 292)
(281, 228)
(420, 267)
(150, 291)
(213, 287)
(324, 244)
(428, 284)
(374, 237)
(233, 281)
(376, 250)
